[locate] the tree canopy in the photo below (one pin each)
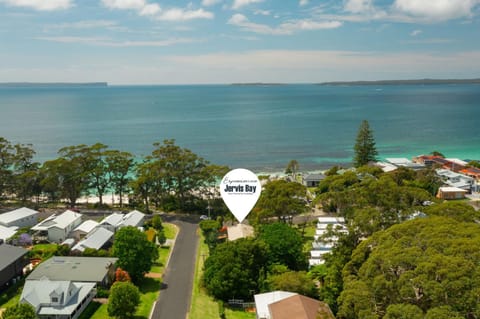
(281, 198)
(285, 245)
(123, 300)
(20, 311)
(135, 252)
(365, 149)
(424, 263)
(235, 269)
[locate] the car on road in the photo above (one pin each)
(204, 217)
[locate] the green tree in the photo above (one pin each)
(6, 161)
(365, 150)
(180, 171)
(135, 253)
(92, 165)
(235, 269)
(293, 281)
(20, 311)
(403, 311)
(281, 198)
(119, 167)
(64, 178)
(157, 222)
(443, 312)
(123, 300)
(210, 232)
(285, 245)
(292, 168)
(146, 185)
(425, 262)
(26, 175)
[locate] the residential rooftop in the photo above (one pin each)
(10, 254)
(84, 269)
(16, 214)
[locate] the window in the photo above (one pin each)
(55, 299)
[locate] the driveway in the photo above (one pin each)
(175, 295)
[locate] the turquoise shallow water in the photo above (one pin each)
(256, 127)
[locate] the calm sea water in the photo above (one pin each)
(256, 127)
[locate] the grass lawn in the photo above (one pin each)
(164, 251)
(149, 287)
(11, 296)
(170, 230)
(204, 306)
(43, 251)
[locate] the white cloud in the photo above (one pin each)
(237, 4)
(436, 10)
(359, 6)
(124, 4)
(208, 3)
(85, 24)
(283, 29)
(154, 10)
(414, 33)
(42, 5)
(107, 42)
(177, 14)
(310, 25)
(303, 3)
(150, 9)
(261, 12)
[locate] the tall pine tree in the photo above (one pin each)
(365, 150)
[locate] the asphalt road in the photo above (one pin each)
(175, 295)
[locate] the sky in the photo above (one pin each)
(232, 41)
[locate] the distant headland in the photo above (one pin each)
(258, 84)
(51, 84)
(406, 82)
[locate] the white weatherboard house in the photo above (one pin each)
(7, 232)
(58, 299)
(320, 247)
(96, 239)
(22, 217)
(116, 221)
(84, 228)
(57, 228)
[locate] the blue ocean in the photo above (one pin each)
(257, 127)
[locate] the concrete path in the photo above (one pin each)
(175, 295)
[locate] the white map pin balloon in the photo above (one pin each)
(240, 189)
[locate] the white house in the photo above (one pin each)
(58, 299)
(263, 300)
(457, 180)
(84, 228)
(115, 221)
(111, 221)
(21, 217)
(134, 218)
(96, 239)
(57, 228)
(321, 246)
(7, 232)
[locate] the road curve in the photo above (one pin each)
(176, 291)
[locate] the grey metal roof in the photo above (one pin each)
(315, 177)
(96, 239)
(16, 215)
(85, 269)
(10, 254)
(38, 293)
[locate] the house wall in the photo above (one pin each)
(451, 195)
(57, 235)
(13, 270)
(28, 221)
